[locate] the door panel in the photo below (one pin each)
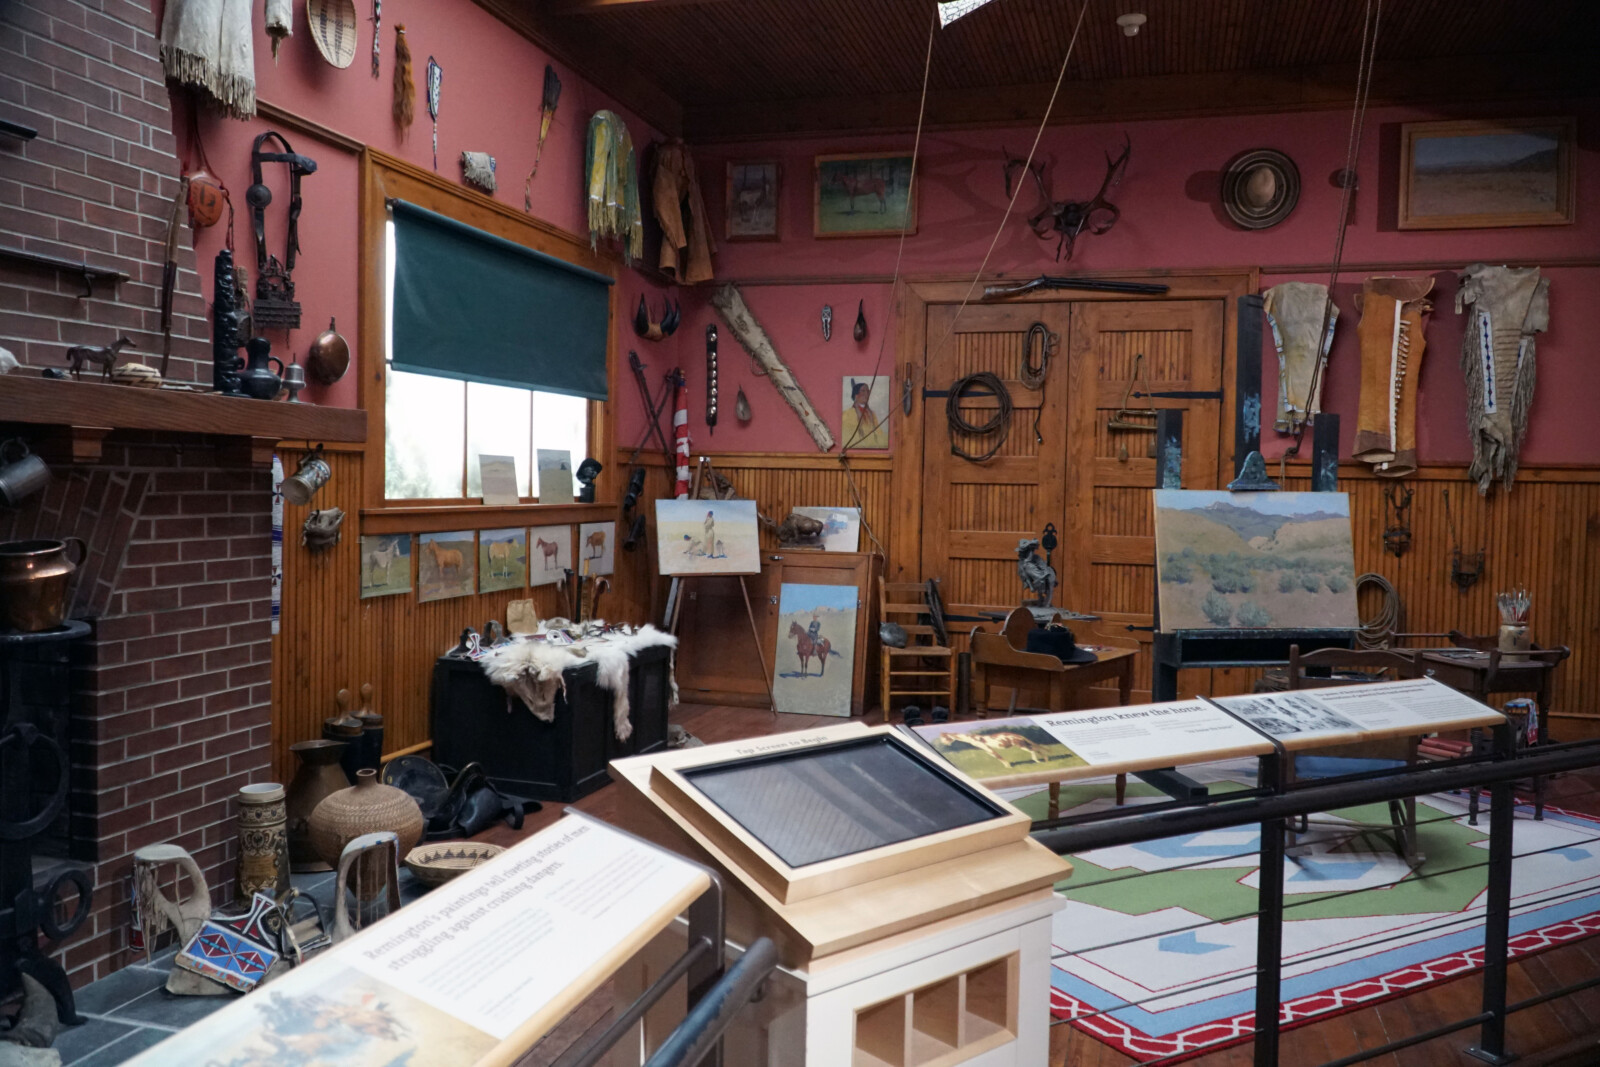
(975, 513)
(1108, 558)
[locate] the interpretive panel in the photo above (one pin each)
(1354, 712)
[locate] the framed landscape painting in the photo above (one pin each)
(864, 195)
(1478, 174)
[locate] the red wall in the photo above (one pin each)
(1171, 218)
(493, 81)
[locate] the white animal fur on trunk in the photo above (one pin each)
(533, 670)
(730, 302)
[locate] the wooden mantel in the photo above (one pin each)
(81, 414)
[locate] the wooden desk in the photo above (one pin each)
(996, 663)
(1471, 671)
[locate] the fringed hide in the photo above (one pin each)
(206, 44)
(532, 670)
(1509, 306)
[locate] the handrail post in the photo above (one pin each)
(1269, 924)
(1491, 1046)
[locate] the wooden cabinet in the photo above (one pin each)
(717, 661)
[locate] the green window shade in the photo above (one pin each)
(469, 305)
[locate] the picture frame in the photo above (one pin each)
(752, 199)
(1487, 173)
(844, 187)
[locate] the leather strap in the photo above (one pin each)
(299, 166)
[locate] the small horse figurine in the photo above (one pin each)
(806, 646)
(105, 355)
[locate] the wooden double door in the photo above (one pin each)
(1062, 461)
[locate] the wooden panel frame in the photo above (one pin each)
(384, 177)
(1563, 214)
(791, 884)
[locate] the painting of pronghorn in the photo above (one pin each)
(385, 565)
(599, 547)
(994, 749)
(550, 554)
(858, 194)
(448, 565)
(502, 559)
(814, 664)
(752, 203)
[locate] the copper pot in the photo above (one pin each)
(34, 576)
(328, 357)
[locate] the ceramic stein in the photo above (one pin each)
(263, 841)
(34, 576)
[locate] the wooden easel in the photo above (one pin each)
(675, 600)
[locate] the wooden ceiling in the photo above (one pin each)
(744, 68)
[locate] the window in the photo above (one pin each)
(436, 427)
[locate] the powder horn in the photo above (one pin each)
(861, 321)
(329, 356)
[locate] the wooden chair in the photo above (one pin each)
(1328, 667)
(924, 663)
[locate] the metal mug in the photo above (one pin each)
(23, 476)
(294, 379)
(303, 484)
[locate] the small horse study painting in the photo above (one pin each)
(997, 749)
(549, 554)
(707, 537)
(864, 194)
(752, 206)
(597, 548)
(502, 559)
(385, 565)
(447, 565)
(815, 661)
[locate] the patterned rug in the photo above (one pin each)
(1176, 945)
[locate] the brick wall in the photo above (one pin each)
(95, 185)
(172, 699)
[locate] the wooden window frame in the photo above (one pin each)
(383, 177)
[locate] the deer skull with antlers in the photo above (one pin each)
(1066, 219)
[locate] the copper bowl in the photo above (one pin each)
(328, 357)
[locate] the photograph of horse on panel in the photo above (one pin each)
(549, 554)
(447, 565)
(502, 559)
(385, 565)
(815, 658)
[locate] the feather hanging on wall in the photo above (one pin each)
(405, 90)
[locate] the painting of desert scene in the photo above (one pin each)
(707, 537)
(996, 749)
(815, 661)
(1480, 171)
(1248, 560)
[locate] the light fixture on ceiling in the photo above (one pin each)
(1130, 23)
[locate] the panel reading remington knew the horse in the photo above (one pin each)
(707, 537)
(549, 554)
(447, 565)
(864, 194)
(1254, 560)
(502, 559)
(385, 564)
(815, 660)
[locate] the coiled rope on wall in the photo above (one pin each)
(998, 423)
(1378, 630)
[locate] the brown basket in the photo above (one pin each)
(436, 864)
(333, 30)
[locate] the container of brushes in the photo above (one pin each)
(1515, 644)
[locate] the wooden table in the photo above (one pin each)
(1475, 672)
(996, 663)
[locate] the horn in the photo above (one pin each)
(670, 317)
(641, 319)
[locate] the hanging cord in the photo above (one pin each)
(1035, 373)
(1370, 19)
(999, 422)
(1378, 631)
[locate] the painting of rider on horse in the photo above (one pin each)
(816, 649)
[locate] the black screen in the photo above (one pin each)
(823, 803)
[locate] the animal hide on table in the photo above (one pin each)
(532, 670)
(207, 44)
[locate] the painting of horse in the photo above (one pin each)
(502, 559)
(551, 554)
(385, 565)
(448, 565)
(864, 193)
(599, 547)
(814, 663)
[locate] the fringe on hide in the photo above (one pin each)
(235, 94)
(533, 671)
(405, 89)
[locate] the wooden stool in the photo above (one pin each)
(924, 668)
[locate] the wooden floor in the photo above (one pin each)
(1561, 1033)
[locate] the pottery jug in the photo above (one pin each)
(263, 844)
(34, 576)
(318, 777)
(364, 808)
(256, 380)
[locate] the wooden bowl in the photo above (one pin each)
(436, 864)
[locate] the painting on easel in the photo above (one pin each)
(815, 659)
(1254, 560)
(707, 537)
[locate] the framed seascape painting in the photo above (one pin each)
(1473, 174)
(549, 554)
(1254, 560)
(707, 537)
(815, 659)
(502, 559)
(447, 565)
(863, 195)
(385, 564)
(751, 211)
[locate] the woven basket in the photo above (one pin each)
(333, 29)
(436, 864)
(363, 808)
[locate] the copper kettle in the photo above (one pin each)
(34, 576)
(329, 356)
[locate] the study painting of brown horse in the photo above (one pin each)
(805, 647)
(858, 184)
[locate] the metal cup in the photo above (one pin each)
(294, 379)
(303, 484)
(23, 476)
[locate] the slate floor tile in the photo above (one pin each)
(165, 1009)
(113, 991)
(76, 1042)
(124, 1049)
